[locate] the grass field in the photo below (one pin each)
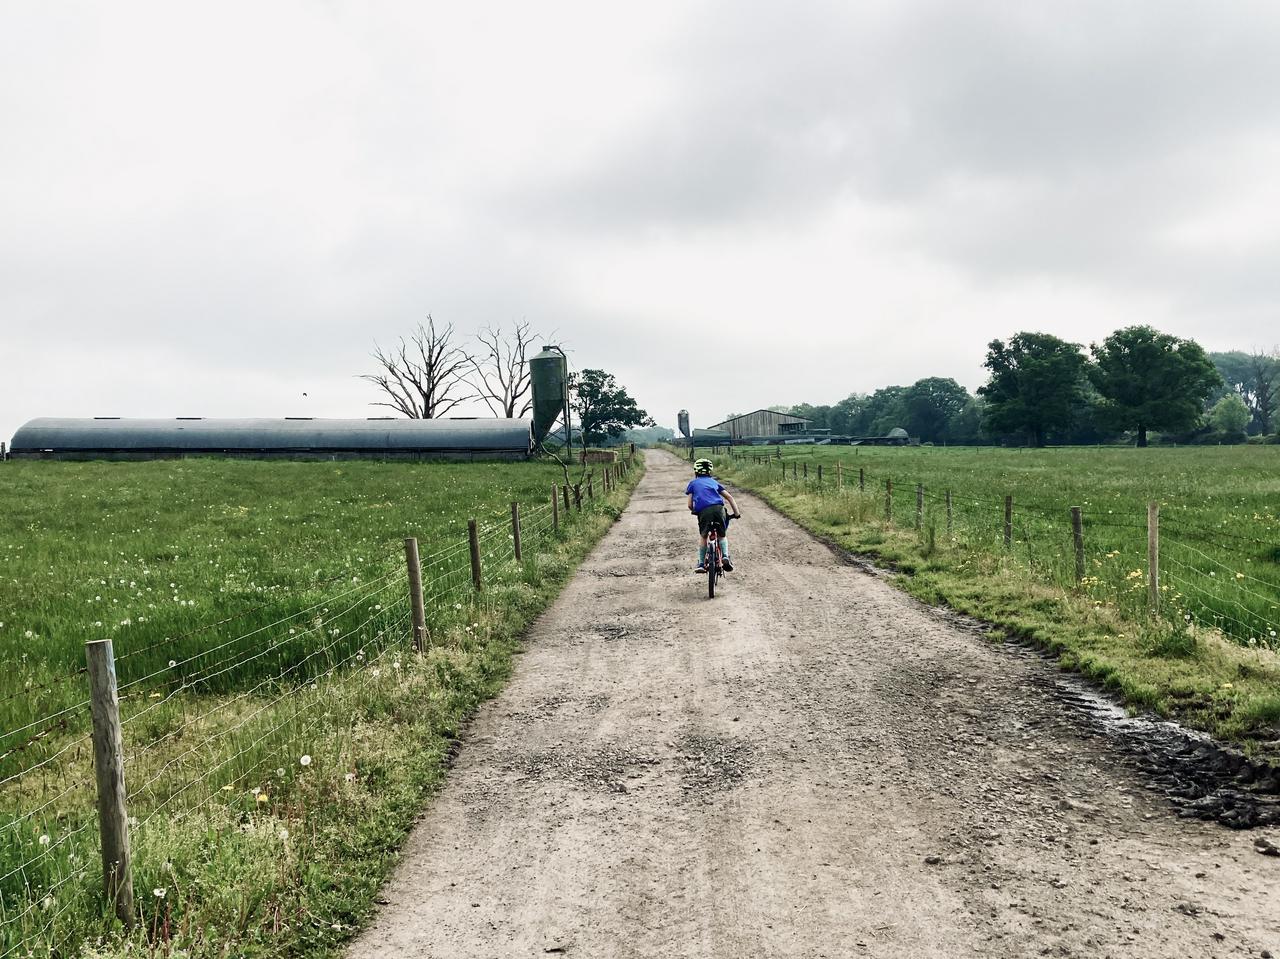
(279, 731)
(1209, 658)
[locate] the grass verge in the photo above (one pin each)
(303, 790)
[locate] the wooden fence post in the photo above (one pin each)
(839, 476)
(919, 505)
(806, 469)
(948, 513)
(862, 479)
(555, 509)
(591, 488)
(819, 474)
(1153, 557)
(473, 540)
(515, 531)
(1008, 521)
(577, 496)
(888, 501)
(565, 490)
(1077, 537)
(795, 473)
(108, 766)
(415, 594)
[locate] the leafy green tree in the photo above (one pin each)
(1150, 380)
(605, 410)
(1256, 378)
(846, 415)
(930, 405)
(820, 415)
(884, 411)
(965, 427)
(1230, 415)
(1036, 383)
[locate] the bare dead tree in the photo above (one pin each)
(422, 376)
(499, 374)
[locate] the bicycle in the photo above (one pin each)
(715, 559)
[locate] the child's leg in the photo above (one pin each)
(702, 552)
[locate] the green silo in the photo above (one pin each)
(549, 373)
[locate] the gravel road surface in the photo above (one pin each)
(812, 764)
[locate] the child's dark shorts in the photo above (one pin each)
(713, 516)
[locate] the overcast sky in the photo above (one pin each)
(214, 208)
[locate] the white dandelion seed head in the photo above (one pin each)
(284, 834)
(159, 892)
(44, 840)
(304, 761)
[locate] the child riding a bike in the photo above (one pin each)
(706, 500)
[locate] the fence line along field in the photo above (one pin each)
(941, 514)
(278, 727)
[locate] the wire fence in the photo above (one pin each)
(1142, 563)
(213, 723)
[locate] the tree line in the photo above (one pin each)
(1045, 390)
(435, 370)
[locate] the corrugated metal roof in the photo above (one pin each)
(272, 434)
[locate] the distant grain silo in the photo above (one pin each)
(549, 379)
(682, 420)
(289, 438)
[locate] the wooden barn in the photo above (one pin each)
(762, 423)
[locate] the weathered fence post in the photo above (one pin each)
(1077, 538)
(1008, 521)
(515, 531)
(415, 593)
(473, 540)
(839, 476)
(888, 501)
(591, 490)
(555, 509)
(919, 505)
(565, 490)
(108, 766)
(806, 469)
(948, 514)
(862, 479)
(795, 473)
(577, 496)
(1153, 557)
(819, 474)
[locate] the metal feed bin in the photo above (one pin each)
(549, 376)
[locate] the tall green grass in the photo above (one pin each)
(1219, 516)
(279, 729)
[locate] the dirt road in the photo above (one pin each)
(810, 765)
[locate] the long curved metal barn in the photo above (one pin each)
(292, 438)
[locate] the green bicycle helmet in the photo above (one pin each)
(702, 467)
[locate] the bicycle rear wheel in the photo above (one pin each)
(713, 568)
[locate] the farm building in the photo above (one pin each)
(762, 423)
(291, 438)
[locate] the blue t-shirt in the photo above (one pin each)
(706, 492)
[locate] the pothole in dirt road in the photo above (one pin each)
(552, 706)
(603, 766)
(711, 764)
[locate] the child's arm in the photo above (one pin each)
(690, 502)
(729, 496)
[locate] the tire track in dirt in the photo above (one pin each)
(812, 764)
